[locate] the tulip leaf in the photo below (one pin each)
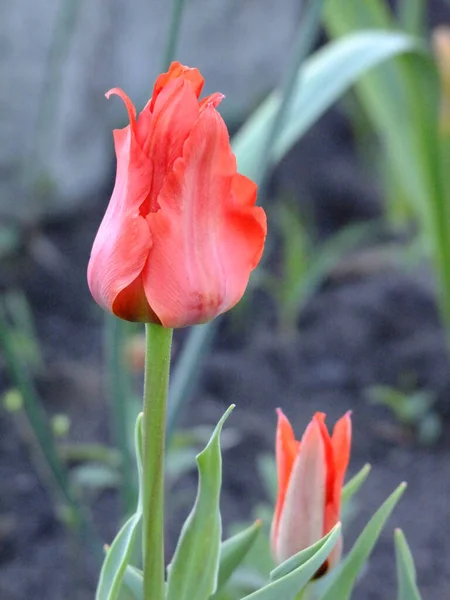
(195, 565)
(133, 583)
(291, 577)
(342, 579)
(355, 483)
(322, 79)
(234, 550)
(121, 550)
(401, 101)
(406, 572)
(301, 557)
(386, 94)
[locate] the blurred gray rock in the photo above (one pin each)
(57, 157)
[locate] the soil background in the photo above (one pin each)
(371, 322)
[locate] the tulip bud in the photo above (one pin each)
(181, 233)
(310, 478)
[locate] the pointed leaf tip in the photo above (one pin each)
(289, 578)
(343, 578)
(354, 484)
(406, 571)
(195, 566)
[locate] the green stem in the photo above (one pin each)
(157, 367)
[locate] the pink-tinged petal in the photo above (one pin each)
(286, 448)
(320, 417)
(245, 190)
(128, 104)
(301, 522)
(213, 100)
(243, 193)
(331, 514)
(341, 440)
(246, 234)
(203, 248)
(123, 240)
(177, 71)
(143, 125)
(162, 134)
(131, 303)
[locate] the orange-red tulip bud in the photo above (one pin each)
(181, 233)
(310, 478)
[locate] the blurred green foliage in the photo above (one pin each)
(401, 100)
(414, 410)
(305, 264)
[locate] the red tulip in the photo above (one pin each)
(310, 478)
(181, 233)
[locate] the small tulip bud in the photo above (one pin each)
(310, 478)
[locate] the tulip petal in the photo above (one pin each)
(128, 104)
(204, 247)
(177, 71)
(177, 193)
(341, 441)
(245, 190)
(286, 448)
(320, 417)
(212, 100)
(163, 134)
(301, 522)
(123, 240)
(131, 304)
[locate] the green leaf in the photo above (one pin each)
(195, 565)
(401, 100)
(412, 16)
(289, 578)
(234, 550)
(322, 261)
(406, 572)
(119, 554)
(133, 582)
(355, 483)
(343, 578)
(324, 77)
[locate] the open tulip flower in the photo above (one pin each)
(181, 233)
(310, 478)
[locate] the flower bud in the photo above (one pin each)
(310, 478)
(181, 234)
